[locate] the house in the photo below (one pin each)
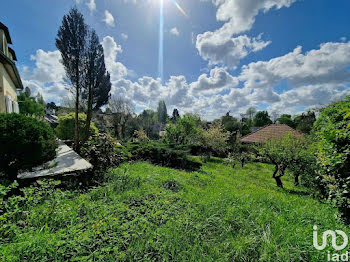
(269, 132)
(10, 81)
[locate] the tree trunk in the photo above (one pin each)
(89, 114)
(277, 178)
(242, 162)
(278, 181)
(76, 124)
(296, 180)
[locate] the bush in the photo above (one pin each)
(162, 154)
(65, 128)
(102, 151)
(332, 130)
(25, 142)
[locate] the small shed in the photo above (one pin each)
(269, 132)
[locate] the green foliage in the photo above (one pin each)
(333, 133)
(25, 142)
(241, 153)
(290, 152)
(214, 140)
(28, 105)
(65, 128)
(140, 136)
(286, 120)
(40, 99)
(151, 213)
(305, 122)
(186, 131)
(261, 118)
(162, 154)
(162, 112)
(103, 152)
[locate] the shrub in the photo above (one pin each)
(214, 140)
(162, 154)
(332, 130)
(185, 131)
(102, 151)
(25, 142)
(65, 128)
(28, 106)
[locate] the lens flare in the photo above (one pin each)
(161, 36)
(180, 9)
(160, 49)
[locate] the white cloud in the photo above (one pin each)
(47, 67)
(111, 50)
(109, 19)
(47, 77)
(218, 80)
(220, 47)
(227, 51)
(124, 36)
(326, 65)
(174, 31)
(91, 5)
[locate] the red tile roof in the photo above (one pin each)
(269, 132)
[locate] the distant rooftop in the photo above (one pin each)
(269, 132)
(7, 33)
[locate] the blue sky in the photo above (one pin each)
(227, 55)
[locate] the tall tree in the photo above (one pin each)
(122, 111)
(176, 115)
(262, 118)
(97, 84)
(40, 99)
(251, 111)
(71, 42)
(162, 112)
(27, 91)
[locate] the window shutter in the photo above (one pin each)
(15, 107)
(8, 104)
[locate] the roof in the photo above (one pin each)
(13, 53)
(7, 33)
(269, 132)
(11, 68)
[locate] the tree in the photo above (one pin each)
(289, 151)
(286, 120)
(251, 111)
(28, 106)
(40, 99)
(97, 80)
(27, 91)
(186, 131)
(214, 140)
(175, 115)
(51, 105)
(262, 118)
(148, 120)
(71, 42)
(122, 111)
(332, 131)
(162, 112)
(305, 122)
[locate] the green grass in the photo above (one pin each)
(148, 213)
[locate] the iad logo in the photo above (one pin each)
(333, 236)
